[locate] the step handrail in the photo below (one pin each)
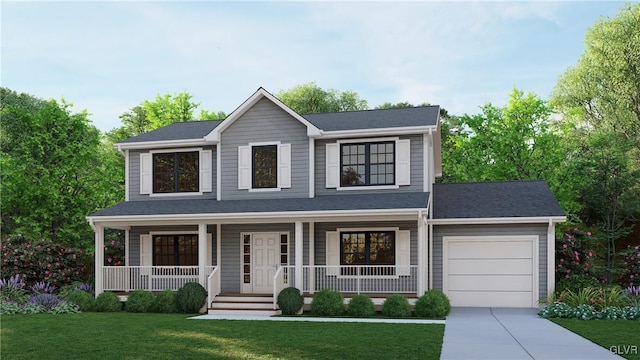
(213, 282)
(278, 285)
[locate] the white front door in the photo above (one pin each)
(265, 259)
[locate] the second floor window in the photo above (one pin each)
(265, 167)
(176, 172)
(366, 164)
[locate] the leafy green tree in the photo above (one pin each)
(310, 99)
(515, 142)
(50, 172)
(602, 91)
(211, 115)
(168, 109)
(609, 190)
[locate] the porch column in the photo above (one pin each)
(312, 257)
(99, 259)
(421, 259)
(127, 252)
(298, 260)
(551, 257)
(202, 254)
(218, 245)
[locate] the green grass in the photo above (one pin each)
(171, 336)
(607, 333)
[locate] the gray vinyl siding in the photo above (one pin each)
(133, 182)
(487, 230)
(265, 122)
(135, 232)
(417, 171)
(231, 248)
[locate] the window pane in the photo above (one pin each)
(176, 172)
(265, 166)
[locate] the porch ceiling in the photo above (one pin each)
(399, 204)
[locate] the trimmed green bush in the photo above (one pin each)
(191, 297)
(165, 302)
(361, 306)
(576, 283)
(290, 301)
(396, 306)
(327, 302)
(433, 304)
(107, 302)
(139, 301)
(84, 300)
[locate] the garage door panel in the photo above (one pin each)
(491, 266)
(491, 299)
(491, 283)
(490, 249)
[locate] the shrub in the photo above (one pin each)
(83, 299)
(556, 310)
(65, 307)
(41, 260)
(139, 301)
(165, 302)
(191, 297)
(573, 253)
(433, 304)
(576, 283)
(327, 302)
(107, 302)
(396, 306)
(290, 301)
(12, 307)
(630, 267)
(113, 249)
(361, 306)
(13, 290)
(66, 290)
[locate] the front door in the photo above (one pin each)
(265, 259)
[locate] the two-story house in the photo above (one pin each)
(269, 198)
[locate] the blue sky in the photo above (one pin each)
(107, 57)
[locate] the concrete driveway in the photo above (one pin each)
(498, 333)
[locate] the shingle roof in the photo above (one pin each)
(375, 119)
(319, 203)
(494, 200)
(177, 131)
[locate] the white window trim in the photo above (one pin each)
(265, 143)
(175, 232)
(246, 288)
(374, 187)
(394, 229)
(165, 151)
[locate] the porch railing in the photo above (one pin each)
(213, 284)
(355, 278)
(279, 283)
(152, 278)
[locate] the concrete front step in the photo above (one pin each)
(256, 312)
(243, 299)
(243, 304)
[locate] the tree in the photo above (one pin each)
(609, 190)
(515, 142)
(211, 115)
(50, 177)
(310, 99)
(603, 90)
(168, 109)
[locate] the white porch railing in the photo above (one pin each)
(152, 278)
(213, 284)
(279, 283)
(354, 278)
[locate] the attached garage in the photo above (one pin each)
(491, 271)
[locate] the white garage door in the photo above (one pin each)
(491, 271)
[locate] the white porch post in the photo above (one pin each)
(312, 257)
(99, 259)
(218, 245)
(299, 252)
(421, 259)
(127, 252)
(202, 254)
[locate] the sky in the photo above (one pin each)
(107, 57)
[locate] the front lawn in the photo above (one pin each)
(163, 336)
(621, 335)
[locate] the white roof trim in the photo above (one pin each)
(377, 132)
(145, 145)
(499, 220)
(256, 215)
(214, 135)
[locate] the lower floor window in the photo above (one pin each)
(368, 248)
(175, 250)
